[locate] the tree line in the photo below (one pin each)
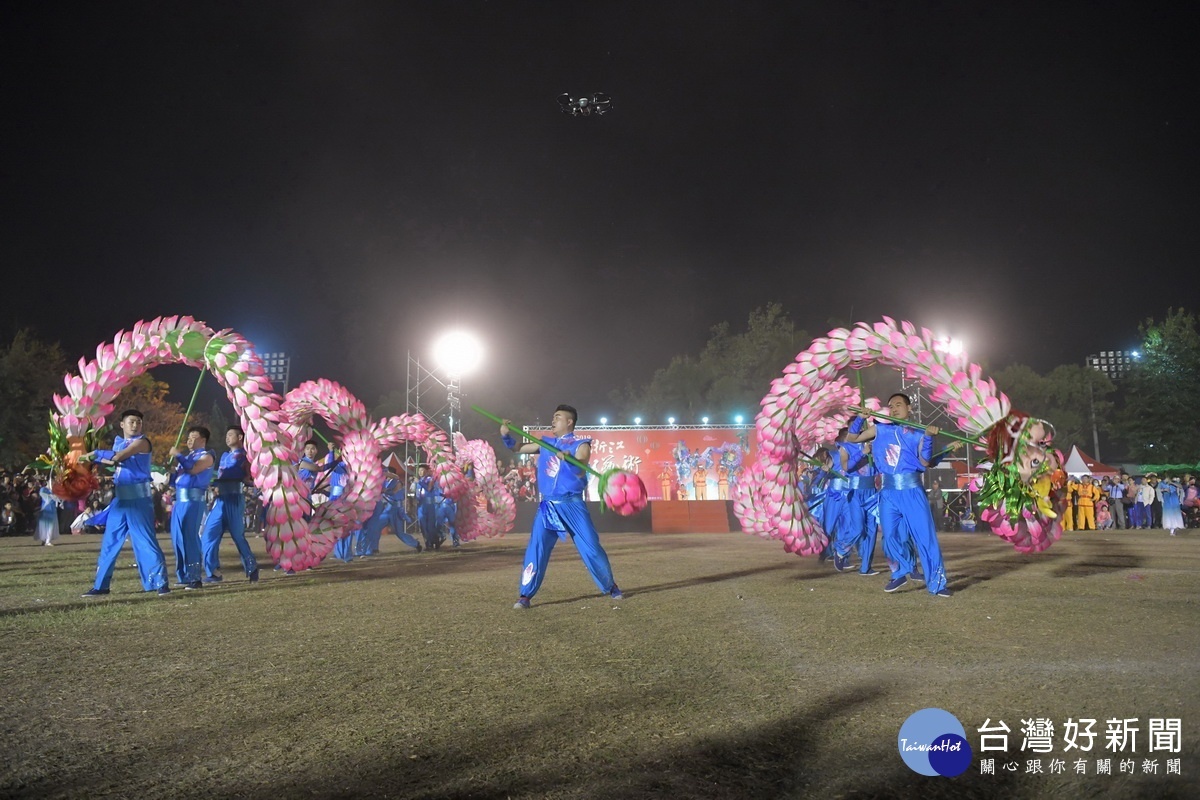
(1149, 413)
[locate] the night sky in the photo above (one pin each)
(344, 181)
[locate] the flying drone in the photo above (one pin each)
(597, 104)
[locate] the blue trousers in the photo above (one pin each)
(372, 529)
(227, 514)
(344, 549)
(856, 525)
(185, 538)
(905, 517)
(832, 513)
(427, 519)
(133, 519)
(574, 517)
(396, 519)
(446, 514)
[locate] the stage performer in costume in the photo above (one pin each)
(562, 511)
(859, 516)
(1172, 509)
(229, 511)
(193, 473)
(131, 513)
(901, 454)
(47, 525)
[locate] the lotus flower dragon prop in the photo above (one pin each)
(809, 403)
(477, 460)
(271, 425)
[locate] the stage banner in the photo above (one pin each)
(674, 463)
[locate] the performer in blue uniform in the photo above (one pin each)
(397, 516)
(901, 454)
(338, 477)
(131, 513)
(229, 511)
(859, 517)
(561, 512)
(428, 494)
(387, 513)
(309, 470)
(822, 491)
(193, 473)
(447, 515)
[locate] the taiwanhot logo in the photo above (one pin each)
(933, 742)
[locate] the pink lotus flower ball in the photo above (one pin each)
(625, 493)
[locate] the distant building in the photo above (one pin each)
(1113, 363)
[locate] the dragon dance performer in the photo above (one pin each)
(131, 513)
(338, 477)
(435, 511)
(193, 473)
(397, 517)
(561, 512)
(901, 454)
(385, 514)
(816, 484)
(859, 516)
(229, 511)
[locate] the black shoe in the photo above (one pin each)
(193, 585)
(94, 593)
(253, 576)
(164, 589)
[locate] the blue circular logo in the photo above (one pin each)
(933, 742)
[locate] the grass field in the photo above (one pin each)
(731, 670)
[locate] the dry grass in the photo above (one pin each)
(732, 670)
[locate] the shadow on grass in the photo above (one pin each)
(777, 760)
(1113, 556)
(699, 580)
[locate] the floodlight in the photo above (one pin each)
(458, 352)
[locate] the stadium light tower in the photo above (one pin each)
(457, 353)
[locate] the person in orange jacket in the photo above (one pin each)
(1085, 507)
(1072, 496)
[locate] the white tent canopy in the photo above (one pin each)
(1080, 463)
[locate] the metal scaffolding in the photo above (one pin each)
(438, 400)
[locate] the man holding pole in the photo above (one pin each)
(562, 479)
(193, 473)
(902, 452)
(131, 513)
(228, 512)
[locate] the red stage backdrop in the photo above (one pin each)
(674, 463)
